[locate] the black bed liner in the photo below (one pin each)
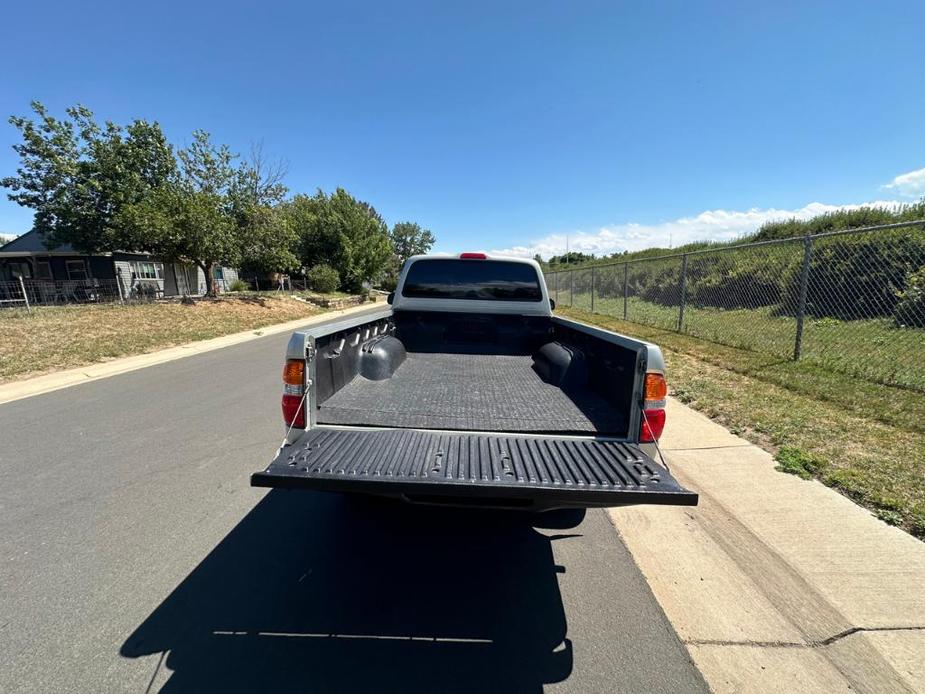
(470, 392)
(474, 469)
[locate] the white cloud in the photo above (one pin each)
(712, 225)
(911, 184)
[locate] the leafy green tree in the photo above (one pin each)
(189, 218)
(212, 212)
(268, 241)
(185, 225)
(408, 239)
(77, 175)
(343, 232)
(570, 258)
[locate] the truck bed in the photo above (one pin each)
(514, 471)
(495, 410)
(475, 392)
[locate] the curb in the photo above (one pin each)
(39, 385)
(773, 583)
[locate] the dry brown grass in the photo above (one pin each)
(55, 338)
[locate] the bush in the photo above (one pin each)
(737, 288)
(857, 277)
(910, 309)
(836, 221)
(657, 281)
(323, 278)
(863, 276)
(238, 285)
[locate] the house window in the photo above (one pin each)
(43, 270)
(148, 271)
(20, 269)
(76, 269)
(218, 272)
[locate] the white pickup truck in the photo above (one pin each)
(468, 391)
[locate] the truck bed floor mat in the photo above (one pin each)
(470, 392)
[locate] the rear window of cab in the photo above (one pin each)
(480, 280)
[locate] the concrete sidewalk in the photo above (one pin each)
(776, 584)
(84, 374)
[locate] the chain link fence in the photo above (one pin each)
(850, 301)
(26, 293)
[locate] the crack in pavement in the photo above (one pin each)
(798, 644)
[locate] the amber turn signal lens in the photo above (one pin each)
(656, 387)
(294, 372)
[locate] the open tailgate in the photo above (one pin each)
(537, 472)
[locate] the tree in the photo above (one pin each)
(343, 232)
(570, 258)
(189, 218)
(78, 175)
(408, 239)
(181, 224)
(212, 212)
(268, 241)
(258, 181)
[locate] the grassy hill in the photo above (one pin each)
(789, 228)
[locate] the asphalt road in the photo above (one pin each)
(134, 556)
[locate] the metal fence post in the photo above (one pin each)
(626, 286)
(25, 297)
(556, 275)
(804, 286)
(682, 297)
(592, 289)
(571, 288)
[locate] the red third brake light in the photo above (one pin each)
(473, 256)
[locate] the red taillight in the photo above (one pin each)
(293, 392)
(652, 425)
(653, 408)
(473, 256)
(293, 411)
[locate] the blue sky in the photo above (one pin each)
(512, 125)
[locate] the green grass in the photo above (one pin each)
(865, 439)
(873, 350)
(799, 463)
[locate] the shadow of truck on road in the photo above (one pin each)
(315, 593)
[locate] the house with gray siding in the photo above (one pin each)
(27, 257)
